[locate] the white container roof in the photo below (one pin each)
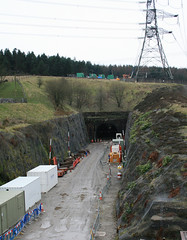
(43, 168)
(19, 182)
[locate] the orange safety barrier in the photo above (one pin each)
(77, 160)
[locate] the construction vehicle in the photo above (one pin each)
(126, 76)
(117, 149)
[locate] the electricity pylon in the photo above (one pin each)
(152, 52)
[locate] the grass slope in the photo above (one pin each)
(39, 108)
(11, 89)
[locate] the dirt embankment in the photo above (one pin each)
(152, 201)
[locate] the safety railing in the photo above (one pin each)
(28, 217)
(95, 226)
(106, 187)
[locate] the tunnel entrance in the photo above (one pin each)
(105, 125)
(106, 131)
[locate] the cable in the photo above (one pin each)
(122, 1)
(65, 19)
(184, 23)
(65, 36)
(67, 27)
(82, 6)
(179, 45)
(166, 5)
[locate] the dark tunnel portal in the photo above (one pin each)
(106, 131)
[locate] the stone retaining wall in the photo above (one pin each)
(13, 100)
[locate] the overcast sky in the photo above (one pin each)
(101, 31)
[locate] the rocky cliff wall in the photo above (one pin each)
(152, 202)
(28, 147)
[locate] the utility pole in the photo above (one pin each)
(152, 52)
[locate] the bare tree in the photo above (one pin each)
(117, 92)
(100, 97)
(82, 94)
(57, 91)
(70, 93)
(39, 82)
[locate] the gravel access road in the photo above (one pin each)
(71, 206)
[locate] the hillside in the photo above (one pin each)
(39, 108)
(152, 201)
(25, 127)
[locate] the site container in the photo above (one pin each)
(101, 76)
(80, 75)
(110, 77)
(92, 75)
(12, 208)
(30, 186)
(48, 176)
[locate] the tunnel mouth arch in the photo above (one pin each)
(106, 131)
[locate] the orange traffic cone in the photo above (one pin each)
(100, 196)
(42, 208)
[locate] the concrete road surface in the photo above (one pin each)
(70, 207)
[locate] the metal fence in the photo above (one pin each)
(97, 220)
(28, 217)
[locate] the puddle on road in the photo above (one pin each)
(61, 226)
(46, 224)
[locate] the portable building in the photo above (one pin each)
(80, 75)
(48, 176)
(92, 75)
(110, 76)
(12, 208)
(101, 76)
(30, 186)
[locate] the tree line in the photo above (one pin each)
(19, 63)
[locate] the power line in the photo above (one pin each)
(81, 6)
(65, 19)
(66, 27)
(66, 36)
(184, 23)
(180, 45)
(122, 1)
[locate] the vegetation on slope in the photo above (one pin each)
(152, 201)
